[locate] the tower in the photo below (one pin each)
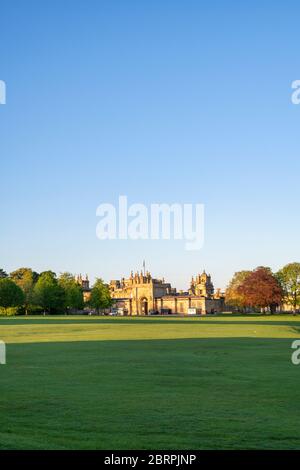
(202, 285)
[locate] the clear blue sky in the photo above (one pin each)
(163, 101)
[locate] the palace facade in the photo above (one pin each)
(141, 294)
(85, 285)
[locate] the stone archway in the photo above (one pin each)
(144, 306)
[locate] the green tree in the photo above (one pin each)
(73, 298)
(289, 278)
(25, 278)
(18, 274)
(51, 273)
(48, 294)
(3, 274)
(11, 295)
(100, 296)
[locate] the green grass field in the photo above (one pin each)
(223, 382)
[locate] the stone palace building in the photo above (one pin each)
(141, 294)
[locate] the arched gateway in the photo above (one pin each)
(144, 306)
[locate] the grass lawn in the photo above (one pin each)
(223, 382)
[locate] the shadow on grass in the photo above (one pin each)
(206, 393)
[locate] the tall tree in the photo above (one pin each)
(11, 295)
(18, 274)
(289, 278)
(3, 274)
(25, 278)
(100, 296)
(48, 294)
(261, 289)
(73, 298)
(232, 295)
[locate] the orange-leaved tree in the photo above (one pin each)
(261, 289)
(233, 297)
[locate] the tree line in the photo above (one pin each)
(26, 291)
(263, 289)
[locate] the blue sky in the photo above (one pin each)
(173, 101)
